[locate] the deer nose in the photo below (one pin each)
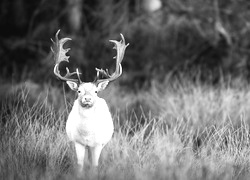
(87, 99)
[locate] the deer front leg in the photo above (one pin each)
(80, 153)
(95, 154)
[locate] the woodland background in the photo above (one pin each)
(208, 37)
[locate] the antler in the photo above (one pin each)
(120, 47)
(59, 56)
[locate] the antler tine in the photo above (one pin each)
(59, 56)
(120, 47)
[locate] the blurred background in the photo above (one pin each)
(204, 38)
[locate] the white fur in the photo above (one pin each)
(90, 127)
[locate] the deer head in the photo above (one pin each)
(87, 91)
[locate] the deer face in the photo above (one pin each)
(87, 92)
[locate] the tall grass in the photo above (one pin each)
(175, 130)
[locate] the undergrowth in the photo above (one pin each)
(171, 131)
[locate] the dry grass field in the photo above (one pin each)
(175, 130)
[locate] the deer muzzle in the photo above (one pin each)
(86, 101)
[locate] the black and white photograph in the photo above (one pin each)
(125, 90)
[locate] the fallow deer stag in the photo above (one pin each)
(89, 124)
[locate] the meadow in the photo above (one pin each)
(177, 129)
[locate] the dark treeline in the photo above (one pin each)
(182, 36)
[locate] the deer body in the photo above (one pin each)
(92, 126)
(89, 124)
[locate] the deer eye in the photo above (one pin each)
(79, 91)
(95, 91)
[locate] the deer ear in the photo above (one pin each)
(72, 85)
(102, 85)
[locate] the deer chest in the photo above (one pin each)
(90, 131)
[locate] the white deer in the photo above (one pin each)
(89, 124)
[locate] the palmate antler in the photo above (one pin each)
(120, 47)
(60, 56)
(102, 75)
